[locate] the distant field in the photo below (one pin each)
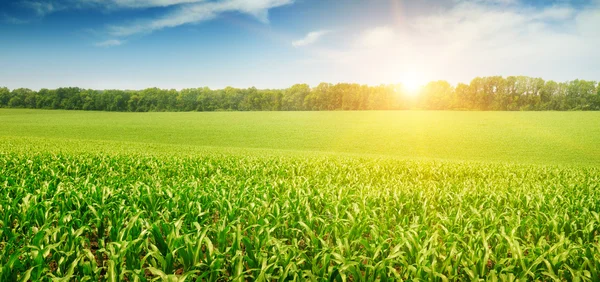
(519, 137)
(299, 196)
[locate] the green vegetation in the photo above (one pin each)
(367, 196)
(513, 93)
(519, 137)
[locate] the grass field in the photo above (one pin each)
(345, 196)
(521, 137)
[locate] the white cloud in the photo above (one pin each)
(378, 36)
(489, 2)
(310, 38)
(109, 43)
(190, 9)
(475, 38)
(145, 3)
(198, 12)
(42, 8)
(47, 6)
(556, 13)
(13, 20)
(182, 12)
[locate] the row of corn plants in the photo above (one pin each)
(132, 217)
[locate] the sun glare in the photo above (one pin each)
(412, 84)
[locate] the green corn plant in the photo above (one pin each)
(136, 216)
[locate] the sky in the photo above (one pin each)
(176, 44)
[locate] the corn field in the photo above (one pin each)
(135, 217)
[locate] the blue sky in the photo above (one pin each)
(134, 44)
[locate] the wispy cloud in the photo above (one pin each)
(556, 13)
(310, 38)
(180, 12)
(109, 43)
(475, 38)
(378, 36)
(489, 2)
(37, 9)
(13, 20)
(141, 3)
(42, 8)
(198, 12)
(186, 11)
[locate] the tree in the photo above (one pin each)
(205, 100)
(314, 100)
(293, 97)
(436, 95)
(18, 97)
(596, 99)
(482, 93)
(187, 99)
(461, 94)
(87, 99)
(4, 96)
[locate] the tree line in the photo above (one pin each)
(513, 93)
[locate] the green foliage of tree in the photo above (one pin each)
(436, 95)
(293, 97)
(513, 93)
(4, 96)
(18, 98)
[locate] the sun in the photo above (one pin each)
(412, 84)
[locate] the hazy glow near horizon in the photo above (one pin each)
(412, 83)
(276, 43)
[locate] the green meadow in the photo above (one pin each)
(561, 138)
(299, 196)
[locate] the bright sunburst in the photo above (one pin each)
(412, 83)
